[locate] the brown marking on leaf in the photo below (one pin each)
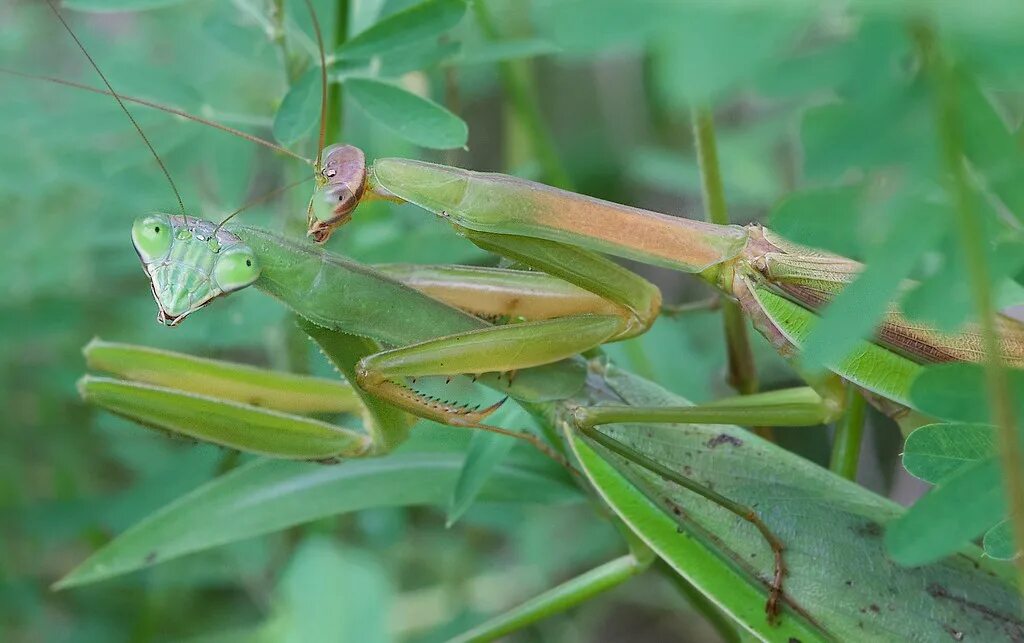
(724, 438)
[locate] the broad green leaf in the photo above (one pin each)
(958, 392)
(708, 49)
(825, 218)
(412, 117)
(700, 565)
(329, 593)
(893, 128)
(299, 112)
(960, 508)
(270, 495)
(419, 22)
(999, 543)
(811, 510)
(936, 451)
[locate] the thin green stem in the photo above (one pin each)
(522, 93)
(970, 228)
(335, 113)
(849, 433)
(742, 369)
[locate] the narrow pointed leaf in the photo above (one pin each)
(486, 451)
(270, 495)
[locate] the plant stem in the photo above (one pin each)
(849, 433)
(742, 369)
(974, 244)
(521, 91)
(335, 114)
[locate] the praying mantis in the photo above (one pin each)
(577, 302)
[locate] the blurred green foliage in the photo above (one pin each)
(826, 122)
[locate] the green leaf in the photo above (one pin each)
(936, 451)
(999, 542)
(958, 392)
(419, 22)
(692, 559)
(299, 112)
(486, 451)
(415, 119)
(825, 218)
(805, 506)
(270, 495)
(331, 594)
(710, 48)
(949, 516)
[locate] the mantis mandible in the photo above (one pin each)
(592, 300)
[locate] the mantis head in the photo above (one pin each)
(190, 262)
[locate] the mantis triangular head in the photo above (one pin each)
(190, 262)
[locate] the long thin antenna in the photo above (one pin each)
(163, 108)
(260, 199)
(323, 85)
(92, 62)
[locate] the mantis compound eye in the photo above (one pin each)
(236, 269)
(152, 236)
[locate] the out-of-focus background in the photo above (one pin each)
(593, 95)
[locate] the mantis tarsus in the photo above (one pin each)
(555, 232)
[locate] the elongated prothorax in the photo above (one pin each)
(510, 205)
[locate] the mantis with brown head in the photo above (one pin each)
(577, 301)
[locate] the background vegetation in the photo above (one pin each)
(826, 121)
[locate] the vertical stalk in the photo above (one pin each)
(973, 242)
(849, 434)
(335, 113)
(742, 370)
(521, 91)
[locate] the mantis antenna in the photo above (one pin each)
(138, 128)
(323, 84)
(323, 121)
(260, 199)
(163, 108)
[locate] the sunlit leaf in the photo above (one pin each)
(412, 117)
(936, 451)
(999, 541)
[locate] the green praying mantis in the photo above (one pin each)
(439, 321)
